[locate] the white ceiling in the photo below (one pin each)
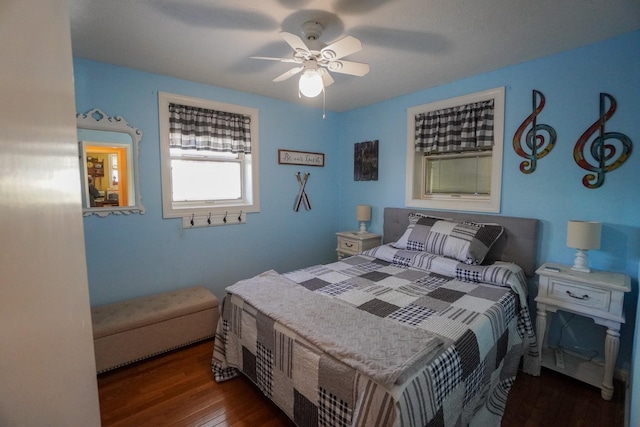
(410, 44)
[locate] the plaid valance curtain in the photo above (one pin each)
(467, 127)
(193, 128)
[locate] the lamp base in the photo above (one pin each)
(363, 228)
(581, 263)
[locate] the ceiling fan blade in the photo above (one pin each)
(349, 67)
(296, 43)
(275, 59)
(341, 48)
(327, 80)
(292, 72)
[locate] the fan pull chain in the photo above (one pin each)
(323, 103)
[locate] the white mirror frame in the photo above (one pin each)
(98, 120)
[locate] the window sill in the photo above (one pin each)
(462, 203)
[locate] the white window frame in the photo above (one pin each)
(415, 193)
(251, 182)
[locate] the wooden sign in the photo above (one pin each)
(291, 157)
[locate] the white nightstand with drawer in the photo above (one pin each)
(354, 242)
(598, 295)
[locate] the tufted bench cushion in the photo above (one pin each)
(127, 331)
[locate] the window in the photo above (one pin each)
(223, 175)
(209, 154)
(456, 163)
(463, 174)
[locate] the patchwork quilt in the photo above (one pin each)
(390, 337)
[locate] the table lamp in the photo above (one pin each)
(363, 214)
(583, 235)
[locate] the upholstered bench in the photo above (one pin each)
(131, 330)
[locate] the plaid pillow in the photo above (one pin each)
(465, 241)
(415, 236)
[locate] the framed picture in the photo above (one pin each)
(365, 161)
(305, 158)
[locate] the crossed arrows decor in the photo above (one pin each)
(302, 197)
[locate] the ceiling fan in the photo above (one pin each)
(316, 59)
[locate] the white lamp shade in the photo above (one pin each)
(583, 234)
(310, 83)
(363, 213)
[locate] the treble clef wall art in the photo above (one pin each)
(602, 156)
(536, 146)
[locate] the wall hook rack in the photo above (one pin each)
(212, 219)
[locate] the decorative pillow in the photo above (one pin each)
(465, 241)
(415, 236)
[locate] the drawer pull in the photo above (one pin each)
(572, 295)
(349, 245)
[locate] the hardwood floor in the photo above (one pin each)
(177, 389)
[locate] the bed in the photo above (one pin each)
(428, 329)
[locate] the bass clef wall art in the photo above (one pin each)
(601, 156)
(535, 146)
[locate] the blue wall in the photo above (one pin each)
(142, 254)
(571, 83)
(134, 255)
(635, 374)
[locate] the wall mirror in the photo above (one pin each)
(108, 149)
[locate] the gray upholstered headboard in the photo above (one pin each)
(518, 243)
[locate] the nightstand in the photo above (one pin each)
(354, 242)
(598, 295)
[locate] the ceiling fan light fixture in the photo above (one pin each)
(310, 83)
(316, 60)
